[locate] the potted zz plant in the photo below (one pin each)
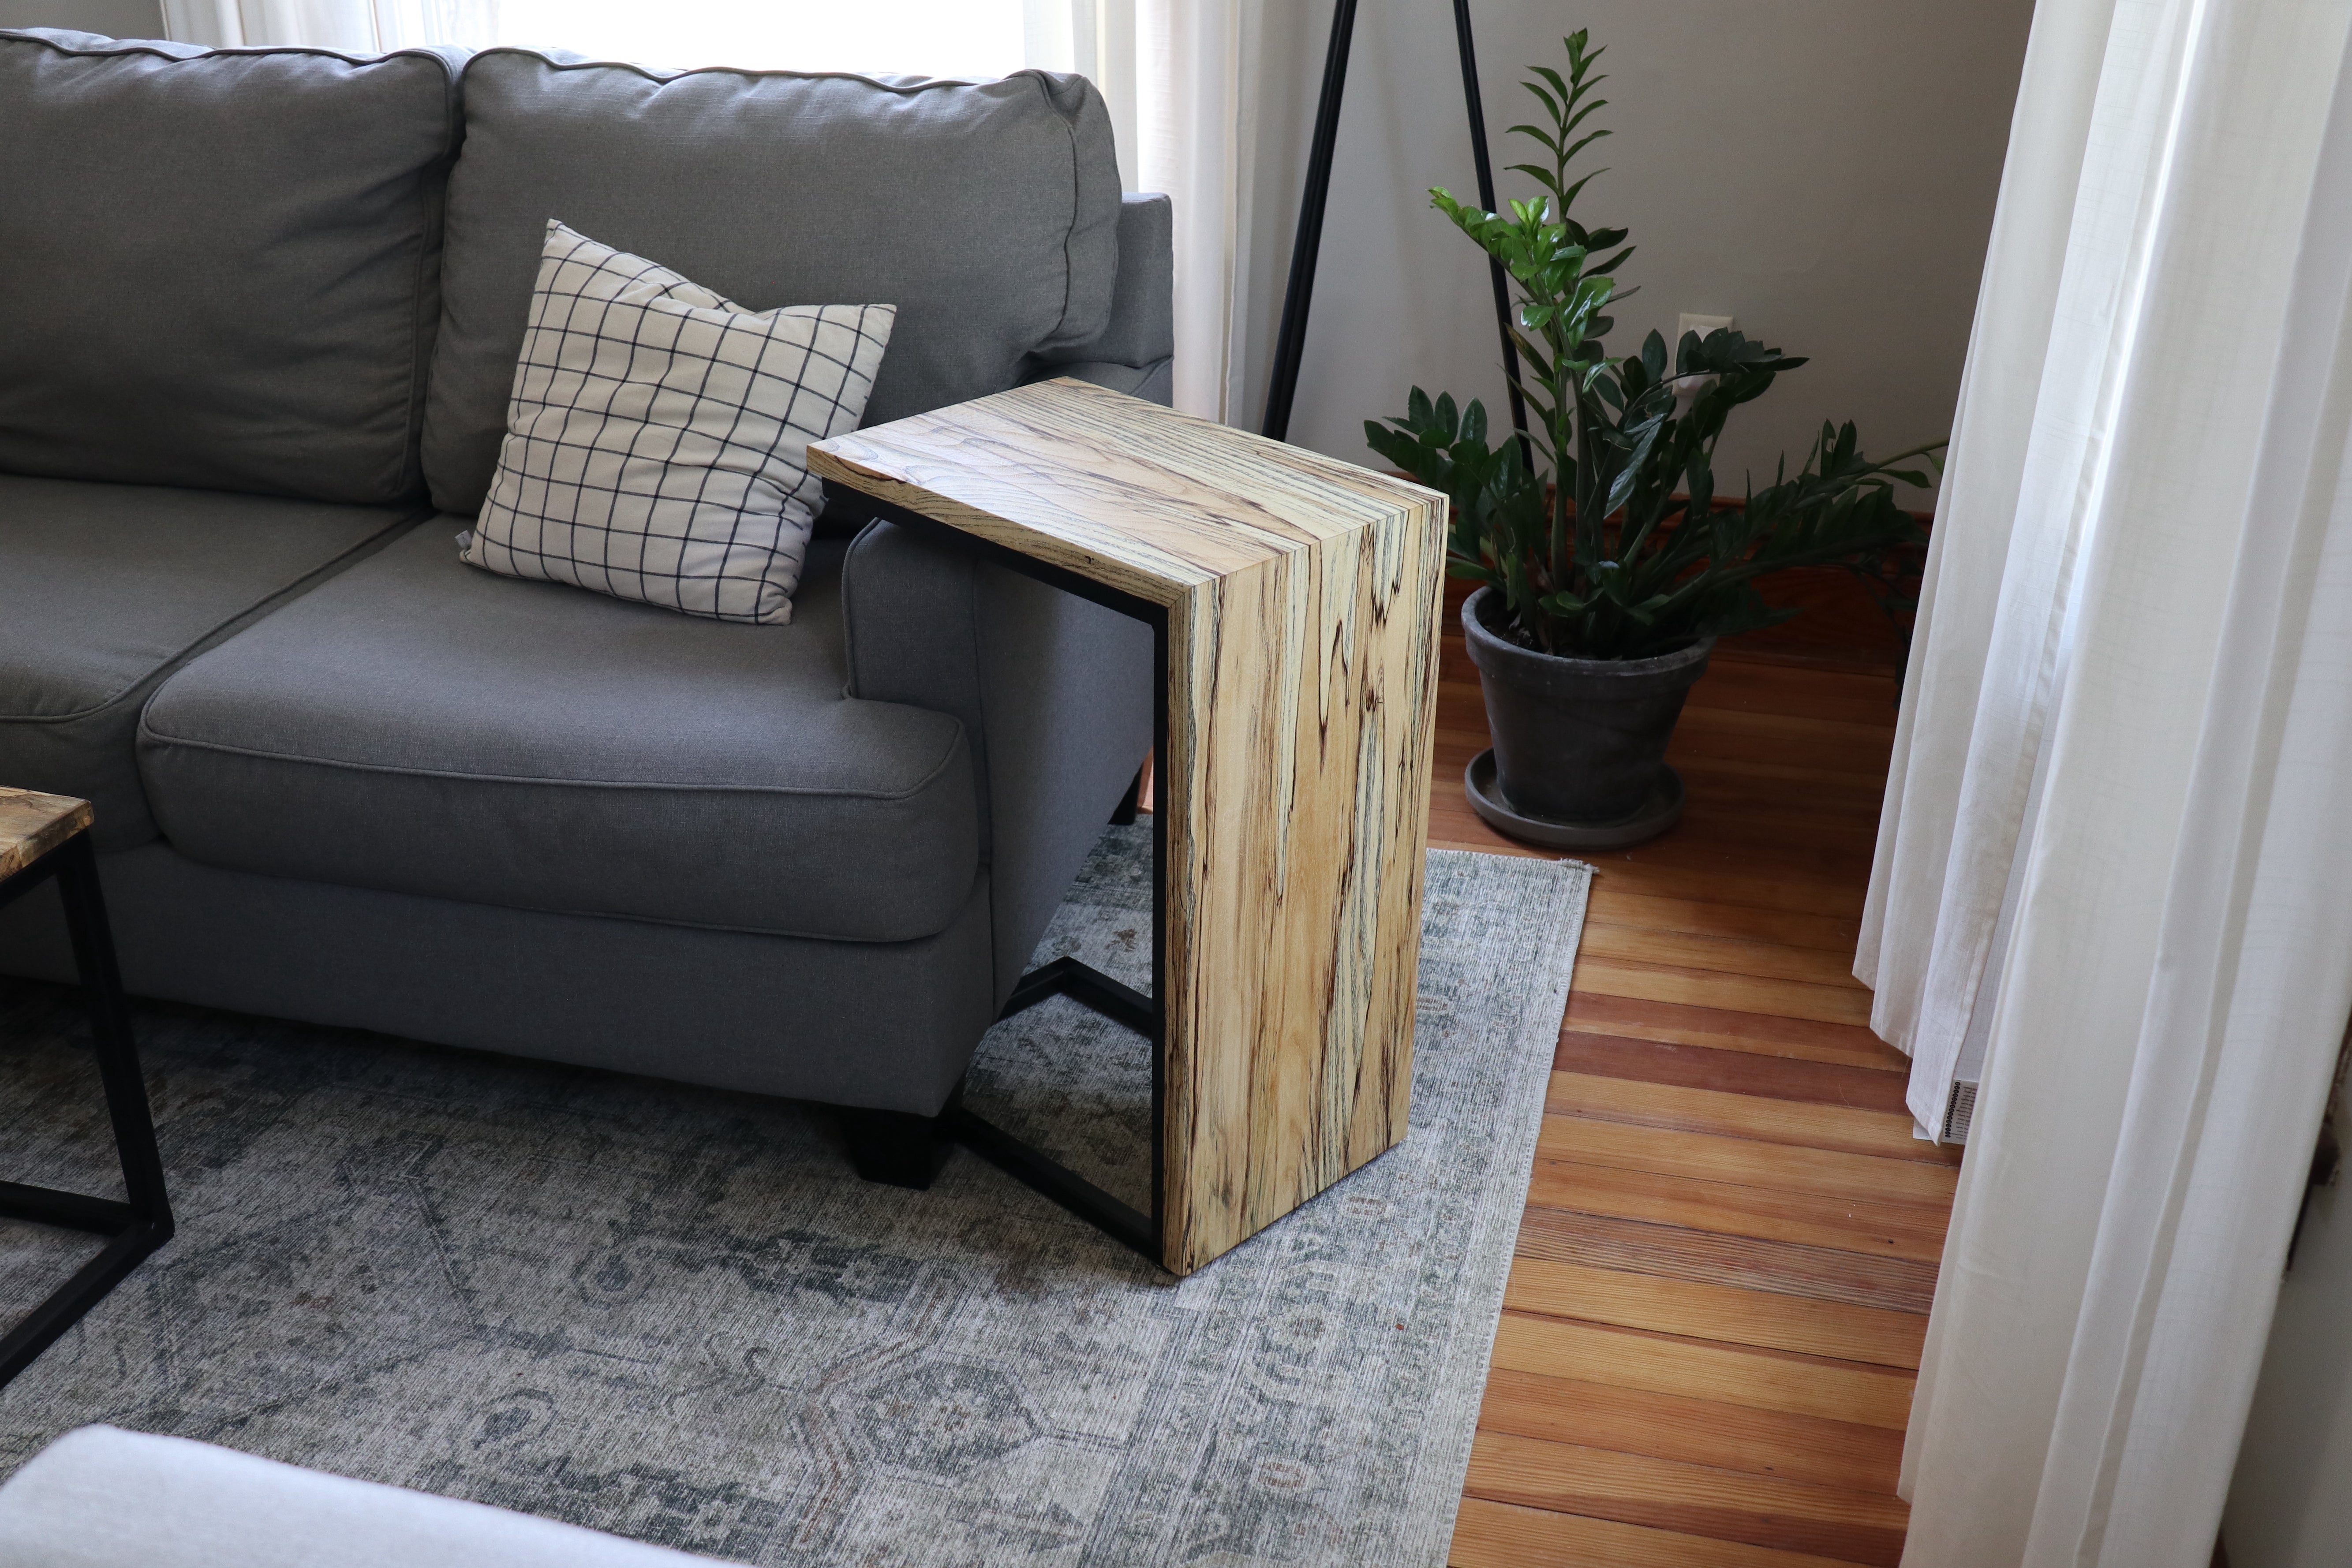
(1607, 580)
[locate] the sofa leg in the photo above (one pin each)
(1128, 803)
(898, 1148)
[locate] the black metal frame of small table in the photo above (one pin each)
(917, 1144)
(136, 1228)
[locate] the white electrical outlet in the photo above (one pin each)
(1687, 391)
(1703, 325)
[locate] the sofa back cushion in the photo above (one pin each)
(986, 211)
(219, 269)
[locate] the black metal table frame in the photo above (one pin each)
(1146, 1233)
(135, 1227)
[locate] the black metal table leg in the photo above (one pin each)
(905, 1150)
(143, 1223)
(1122, 1005)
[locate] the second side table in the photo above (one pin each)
(1295, 605)
(42, 837)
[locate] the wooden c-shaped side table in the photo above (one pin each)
(41, 837)
(1295, 605)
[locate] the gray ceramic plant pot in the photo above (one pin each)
(1578, 741)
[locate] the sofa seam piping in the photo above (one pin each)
(149, 732)
(171, 663)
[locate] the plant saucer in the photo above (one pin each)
(1662, 809)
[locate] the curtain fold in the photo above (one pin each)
(2110, 848)
(1198, 133)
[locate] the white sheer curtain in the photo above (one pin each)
(360, 26)
(2115, 846)
(1198, 98)
(1181, 78)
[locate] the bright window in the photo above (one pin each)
(973, 39)
(918, 37)
(976, 39)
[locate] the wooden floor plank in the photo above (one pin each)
(1861, 788)
(1741, 1117)
(1704, 917)
(1664, 1494)
(1877, 1088)
(1698, 1369)
(1695, 1431)
(1785, 1167)
(1721, 954)
(1707, 731)
(1825, 804)
(1853, 699)
(1737, 800)
(1820, 1273)
(1692, 1430)
(1687, 1307)
(1848, 1224)
(1502, 1535)
(1677, 1023)
(1707, 988)
(1719, 1288)
(1730, 880)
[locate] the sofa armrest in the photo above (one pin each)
(1154, 382)
(1142, 332)
(103, 1498)
(1054, 692)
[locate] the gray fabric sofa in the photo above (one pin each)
(258, 316)
(104, 1498)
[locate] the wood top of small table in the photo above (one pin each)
(1130, 494)
(32, 824)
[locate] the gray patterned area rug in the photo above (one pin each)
(674, 1314)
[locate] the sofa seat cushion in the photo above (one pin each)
(420, 726)
(106, 589)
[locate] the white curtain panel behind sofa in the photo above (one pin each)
(2115, 840)
(360, 26)
(1198, 95)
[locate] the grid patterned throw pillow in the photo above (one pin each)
(656, 442)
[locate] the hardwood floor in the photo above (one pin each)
(1714, 1316)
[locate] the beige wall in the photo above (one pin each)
(1823, 170)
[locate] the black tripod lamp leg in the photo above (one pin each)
(1290, 341)
(1474, 102)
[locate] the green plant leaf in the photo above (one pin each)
(1553, 77)
(1545, 137)
(1539, 174)
(1581, 144)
